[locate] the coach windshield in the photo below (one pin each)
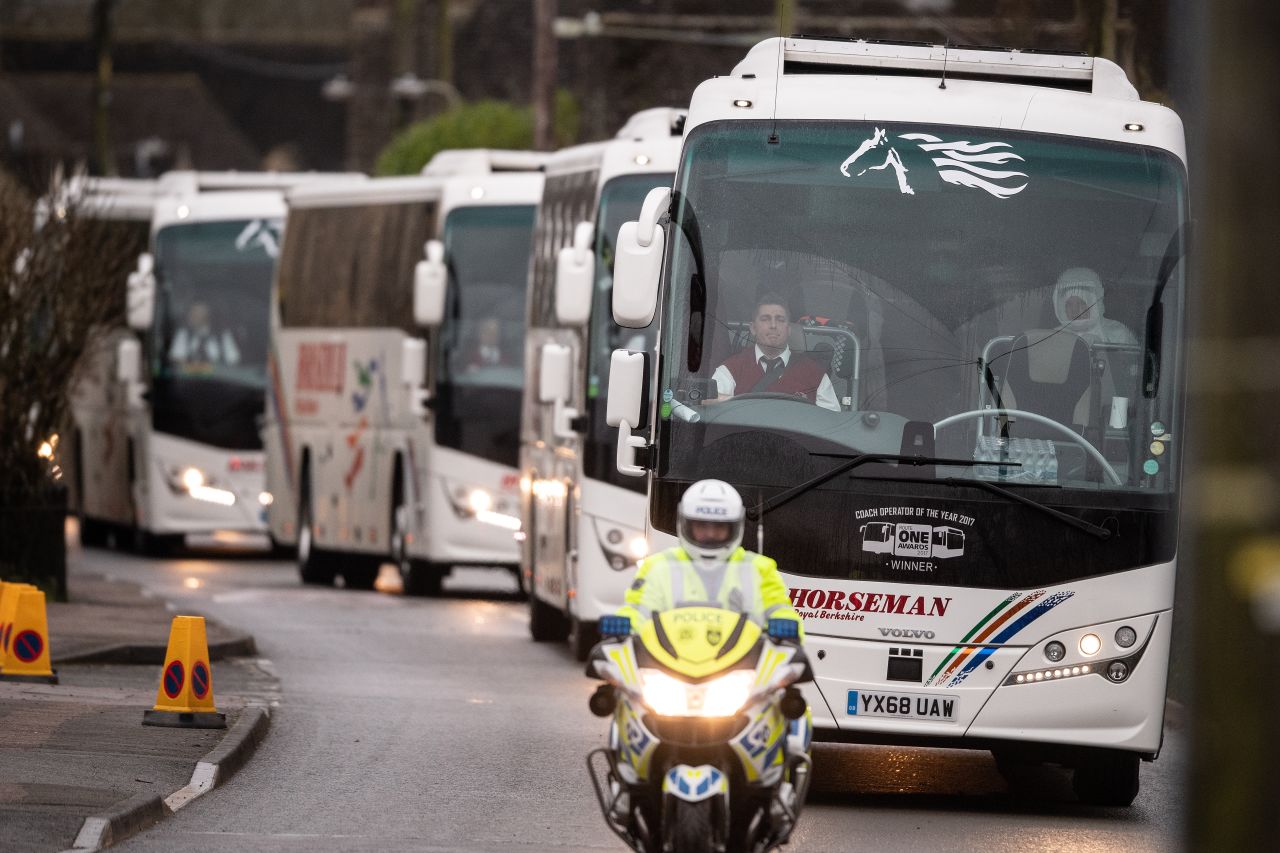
(209, 349)
(482, 338)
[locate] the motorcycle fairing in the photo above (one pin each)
(760, 748)
(697, 642)
(634, 742)
(695, 784)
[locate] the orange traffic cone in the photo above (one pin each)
(9, 595)
(7, 589)
(24, 644)
(185, 696)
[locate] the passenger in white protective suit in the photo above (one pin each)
(1078, 304)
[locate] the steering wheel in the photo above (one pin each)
(769, 395)
(1044, 421)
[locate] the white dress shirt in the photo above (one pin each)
(826, 396)
(204, 346)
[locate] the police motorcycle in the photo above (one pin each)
(709, 742)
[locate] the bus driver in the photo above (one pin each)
(771, 365)
(199, 342)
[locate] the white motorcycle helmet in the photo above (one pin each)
(710, 521)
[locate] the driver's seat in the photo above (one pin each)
(1048, 373)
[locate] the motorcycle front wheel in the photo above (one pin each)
(694, 828)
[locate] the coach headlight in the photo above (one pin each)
(479, 501)
(622, 548)
(197, 484)
(475, 502)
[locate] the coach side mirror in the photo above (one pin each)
(129, 369)
(637, 264)
(628, 378)
(430, 277)
(413, 373)
(575, 277)
(141, 293)
(555, 378)
(554, 373)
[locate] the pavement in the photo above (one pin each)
(78, 770)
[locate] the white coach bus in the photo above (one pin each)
(397, 371)
(584, 523)
(980, 525)
(166, 422)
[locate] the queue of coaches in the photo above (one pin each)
(400, 411)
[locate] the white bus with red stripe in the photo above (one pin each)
(397, 349)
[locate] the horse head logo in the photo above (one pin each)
(961, 163)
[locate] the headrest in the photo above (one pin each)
(1049, 354)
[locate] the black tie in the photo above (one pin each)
(770, 365)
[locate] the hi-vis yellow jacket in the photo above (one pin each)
(751, 584)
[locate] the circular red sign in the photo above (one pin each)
(172, 680)
(27, 646)
(200, 679)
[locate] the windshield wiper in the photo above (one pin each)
(851, 462)
(1079, 523)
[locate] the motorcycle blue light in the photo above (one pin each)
(784, 629)
(615, 626)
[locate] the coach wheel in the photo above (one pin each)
(583, 637)
(314, 566)
(423, 577)
(1109, 780)
(546, 623)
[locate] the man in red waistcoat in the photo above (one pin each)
(770, 365)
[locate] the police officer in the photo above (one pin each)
(710, 565)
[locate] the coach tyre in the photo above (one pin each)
(1109, 779)
(314, 566)
(583, 637)
(418, 577)
(546, 623)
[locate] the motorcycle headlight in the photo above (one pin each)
(719, 697)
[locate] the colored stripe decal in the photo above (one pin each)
(1035, 613)
(972, 631)
(1008, 633)
(986, 632)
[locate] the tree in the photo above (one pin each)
(484, 124)
(62, 274)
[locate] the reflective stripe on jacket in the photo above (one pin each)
(750, 583)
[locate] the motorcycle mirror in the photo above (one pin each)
(792, 705)
(603, 702)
